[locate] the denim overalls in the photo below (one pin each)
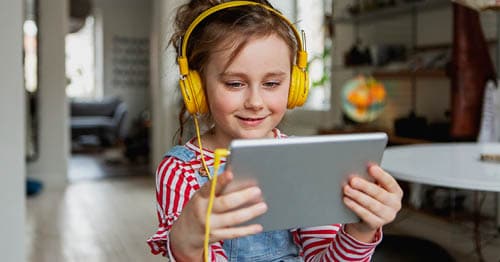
(267, 246)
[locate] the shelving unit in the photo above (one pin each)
(391, 12)
(411, 8)
(378, 72)
(426, 73)
(412, 11)
(393, 139)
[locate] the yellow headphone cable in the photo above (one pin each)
(219, 153)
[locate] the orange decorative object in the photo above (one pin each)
(363, 99)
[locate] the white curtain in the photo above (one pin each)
(490, 121)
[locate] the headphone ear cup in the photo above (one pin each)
(299, 88)
(192, 92)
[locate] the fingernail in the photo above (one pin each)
(347, 200)
(374, 168)
(348, 189)
(256, 191)
(262, 206)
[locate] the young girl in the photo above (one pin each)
(243, 58)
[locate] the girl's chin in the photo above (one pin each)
(256, 134)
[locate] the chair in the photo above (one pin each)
(104, 119)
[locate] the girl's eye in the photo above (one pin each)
(271, 84)
(234, 84)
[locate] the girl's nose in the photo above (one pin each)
(254, 99)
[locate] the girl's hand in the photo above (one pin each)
(376, 203)
(234, 203)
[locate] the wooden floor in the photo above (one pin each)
(102, 220)
(455, 236)
(109, 219)
(106, 213)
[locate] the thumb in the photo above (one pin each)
(222, 181)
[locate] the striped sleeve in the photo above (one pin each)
(175, 185)
(332, 243)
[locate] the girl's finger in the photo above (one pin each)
(367, 216)
(222, 181)
(238, 184)
(375, 191)
(238, 216)
(385, 179)
(234, 232)
(227, 202)
(369, 203)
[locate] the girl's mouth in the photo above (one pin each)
(251, 118)
(251, 121)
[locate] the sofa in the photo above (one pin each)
(104, 119)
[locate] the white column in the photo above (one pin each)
(165, 95)
(52, 165)
(12, 150)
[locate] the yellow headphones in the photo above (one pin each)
(190, 82)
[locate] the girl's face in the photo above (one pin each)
(248, 96)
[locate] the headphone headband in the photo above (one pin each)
(191, 83)
(182, 59)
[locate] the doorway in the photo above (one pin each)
(107, 71)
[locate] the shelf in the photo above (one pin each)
(399, 140)
(354, 67)
(393, 139)
(391, 12)
(428, 73)
(440, 46)
(379, 72)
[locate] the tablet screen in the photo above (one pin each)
(302, 177)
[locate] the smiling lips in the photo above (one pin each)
(251, 121)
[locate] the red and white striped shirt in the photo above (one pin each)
(176, 183)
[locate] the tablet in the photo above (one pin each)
(301, 178)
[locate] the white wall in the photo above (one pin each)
(12, 177)
(165, 91)
(288, 8)
(52, 165)
(155, 132)
(300, 121)
(130, 20)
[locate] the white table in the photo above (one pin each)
(452, 165)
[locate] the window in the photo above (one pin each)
(30, 55)
(80, 68)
